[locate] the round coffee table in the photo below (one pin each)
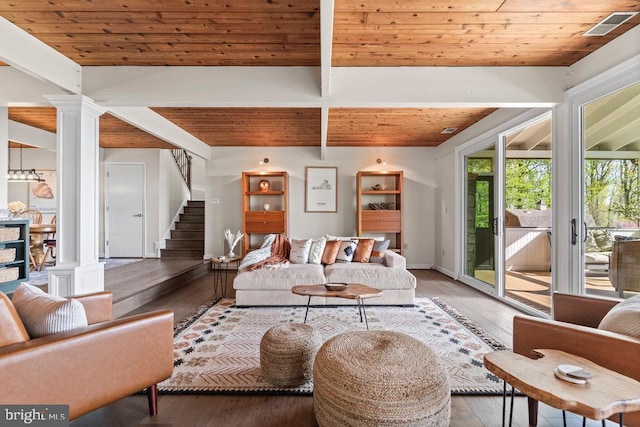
(354, 291)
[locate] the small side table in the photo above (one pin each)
(607, 393)
(216, 266)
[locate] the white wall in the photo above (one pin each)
(224, 174)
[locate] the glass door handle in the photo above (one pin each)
(494, 226)
(574, 232)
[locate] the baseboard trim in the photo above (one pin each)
(446, 272)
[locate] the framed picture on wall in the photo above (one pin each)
(43, 195)
(321, 189)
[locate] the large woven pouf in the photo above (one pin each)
(287, 353)
(379, 378)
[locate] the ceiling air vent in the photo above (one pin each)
(610, 23)
(448, 131)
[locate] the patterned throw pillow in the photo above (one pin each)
(330, 253)
(300, 249)
(363, 250)
(346, 251)
(377, 254)
(45, 314)
(317, 249)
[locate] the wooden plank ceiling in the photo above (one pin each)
(282, 33)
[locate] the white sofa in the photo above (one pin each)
(273, 287)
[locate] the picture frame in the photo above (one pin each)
(321, 189)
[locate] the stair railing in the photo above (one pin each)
(183, 161)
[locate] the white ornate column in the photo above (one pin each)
(77, 270)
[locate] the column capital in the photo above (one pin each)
(76, 102)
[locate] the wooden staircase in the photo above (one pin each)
(187, 237)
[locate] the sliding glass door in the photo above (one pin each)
(507, 213)
(611, 193)
(481, 228)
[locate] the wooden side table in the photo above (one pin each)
(354, 291)
(216, 266)
(605, 394)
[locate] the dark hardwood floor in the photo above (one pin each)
(297, 411)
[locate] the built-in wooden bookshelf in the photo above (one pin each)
(264, 210)
(382, 189)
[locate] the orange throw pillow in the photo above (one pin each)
(330, 251)
(363, 250)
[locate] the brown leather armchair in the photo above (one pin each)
(574, 330)
(89, 367)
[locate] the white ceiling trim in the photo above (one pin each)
(29, 135)
(28, 54)
(153, 123)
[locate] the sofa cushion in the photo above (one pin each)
(267, 279)
(375, 275)
(45, 314)
(317, 249)
(330, 253)
(377, 253)
(596, 257)
(363, 250)
(12, 330)
(624, 318)
(346, 251)
(299, 253)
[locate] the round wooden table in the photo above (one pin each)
(37, 234)
(354, 291)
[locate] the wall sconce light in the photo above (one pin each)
(22, 175)
(264, 161)
(381, 162)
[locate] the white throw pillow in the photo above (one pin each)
(346, 251)
(624, 318)
(300, 249)
(46, 314)
(317, 249)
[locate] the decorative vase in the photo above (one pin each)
(232, 240)
(266, 206)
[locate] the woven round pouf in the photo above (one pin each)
(287, 353)
(379, 378)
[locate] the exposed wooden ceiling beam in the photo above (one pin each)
(326, 44)
(29, 135)
(539, 136)
(153, 123)
(28, 54)
(393, 87)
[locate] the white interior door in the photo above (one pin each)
(124, 205)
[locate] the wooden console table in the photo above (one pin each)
(605, 394)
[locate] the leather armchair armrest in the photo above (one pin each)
(90, 367)
(617, 352)
(582, 310)
(98, 306)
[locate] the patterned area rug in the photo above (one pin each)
(218, 349)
